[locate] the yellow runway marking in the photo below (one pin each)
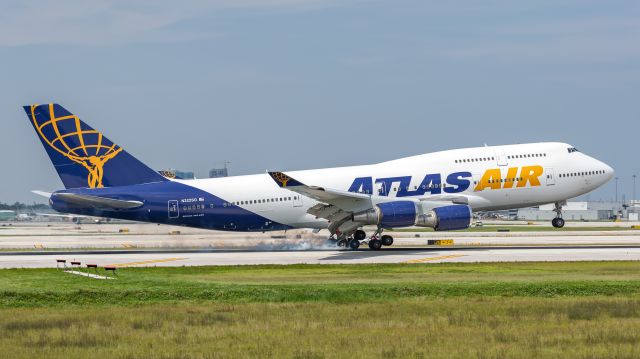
(422, 260)
(145, 262)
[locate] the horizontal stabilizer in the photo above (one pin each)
(42, 193)
(83, 200)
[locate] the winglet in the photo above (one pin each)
(283, 180)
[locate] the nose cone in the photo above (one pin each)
(609, 172)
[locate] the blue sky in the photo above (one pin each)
(297, 84)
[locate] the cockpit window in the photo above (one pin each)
(572, 149)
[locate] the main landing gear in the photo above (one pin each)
(558, 222)
(375, 242)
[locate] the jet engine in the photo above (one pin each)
(408, 213)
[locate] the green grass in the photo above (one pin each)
(318, 283)
(491, 310)
(407, 328)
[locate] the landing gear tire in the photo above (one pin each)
(558, 222)
(342, 243)
(354, 244)
(359, 235)
(386, 240)
(375, 244)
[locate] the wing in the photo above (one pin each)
(338, 206)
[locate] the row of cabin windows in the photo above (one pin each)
(193, 207)
(503, 180)
(257, 201)
(528, 155)
(578, 174)
(481, 159)
(424, 186)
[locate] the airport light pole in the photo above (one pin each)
(616, 190)
(634, 188)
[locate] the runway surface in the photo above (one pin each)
(39, 245)
(172, 258)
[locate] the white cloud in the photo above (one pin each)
(116, 21)
(580, 40)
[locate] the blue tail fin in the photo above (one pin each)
(82, 156)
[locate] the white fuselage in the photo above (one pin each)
(488, 178)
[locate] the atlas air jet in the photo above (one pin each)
(439, 190)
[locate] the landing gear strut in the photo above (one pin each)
(558, 222)
(376, 242)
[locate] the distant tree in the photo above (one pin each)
(21, 207)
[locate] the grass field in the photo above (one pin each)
(506, 310)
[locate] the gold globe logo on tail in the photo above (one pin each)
(74, 146)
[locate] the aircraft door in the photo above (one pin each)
(476, 179)
(380, 189)
(173, 209)
(501, 159)
(297, 200)
(551, 179)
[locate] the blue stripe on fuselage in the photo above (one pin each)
(197, 208)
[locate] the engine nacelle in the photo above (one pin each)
(408, 213)
(457, 216)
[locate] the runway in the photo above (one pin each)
(172, 258)
(39, 245)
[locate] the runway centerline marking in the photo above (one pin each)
(146, 262)
(422, 260)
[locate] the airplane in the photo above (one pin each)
(439, 190)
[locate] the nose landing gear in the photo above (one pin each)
(558, 222)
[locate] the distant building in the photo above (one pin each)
(185, 174)
(219, 172)
(572, 211)
(173, 173)
(6, 215)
